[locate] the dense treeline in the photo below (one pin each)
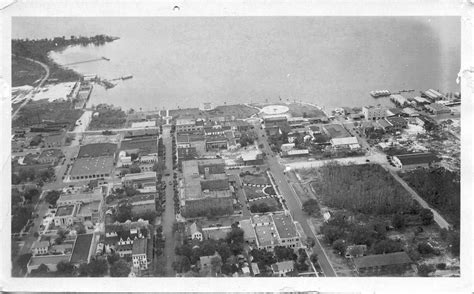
(361, 188)
(39, 49)
(441, 188)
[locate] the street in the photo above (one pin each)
(292, 202)
(169, 216)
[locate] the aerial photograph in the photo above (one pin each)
(322, 146)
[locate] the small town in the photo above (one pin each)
(277, 189)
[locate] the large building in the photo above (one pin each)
(215, 143)
(205, 188)
(139, 180)
(415, 160)
(140, 254)
(185, 125)
(82, 251)
(374, 112)
(74, 198)
(143, 203)
(94, 161)
(275, 230)
(50, 261)
(390, 262)
(438, 108)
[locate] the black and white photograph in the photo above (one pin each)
(314, 147)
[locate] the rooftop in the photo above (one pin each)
(417, 158)
(216, 233)
(80, 253)
(40, 244)
(48, 259)
(185, 121)
(88, 208)
(251, 155)
(396, 120)
(336, 131)
(143, 198)
(283, 266)
(247, 227)
(384, 123)
(65, 210)
(216, 138)
(438, 106)
(394, 110)
(382, 260)
(137, 176)
(145, 145)
(285, 226)
(266, 235)
(97, 149)
(275, 118)
(92, 165)
(81, 197)
(139, 246)
(344, 141)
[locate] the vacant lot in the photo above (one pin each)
(255, 179)
(25, 72)
(36, 112)
(238, 111)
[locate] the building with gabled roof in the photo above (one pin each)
(374, 264)
(282, 268)
(40, 247)
(415, 160)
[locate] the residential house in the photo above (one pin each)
(40, 247)
(389, 262)
(195, 232)
(280, 269)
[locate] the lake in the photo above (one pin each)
(329, 61)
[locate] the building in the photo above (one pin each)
(195, 232)
(97, 150)
(82, 252)
(397, 123)
(421, 101)
(186, 153)
(345, 143)
(143, 203)
(410, 112)
(354, 251)
(141, 145)
(206, 261)
(65, 215)
(139, 180)
(51, 261)
(185, 125)
(275, 121)
(144, 124)
(75, 198)
(415, 160)
(433, 95)
(51, 156)
(88, 212)
(252, 157)
(275, 230)
(394, 112)
(389, 262)
(54, 140)
(205, 188)
(399, 100)
(374, 112)
(85, 168)
(437, 108)
(295, 152)
(119, 237)
(139, 254)
(214, 143)
(40, 247)
(336, 131)
(280, 269)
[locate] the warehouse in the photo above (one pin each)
(415, 160)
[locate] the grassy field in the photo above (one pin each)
(255, 180)
(25, 72)
(37, 111)
(238, 111)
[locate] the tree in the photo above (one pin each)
(311, 206)
(425, 248)
(398, 221)
(97, 268)
(182, 264)
(41, 271)
(80, 228)
(339, 246)
(216, 264)
(425, 269)
(124, 213)
(260, 208)
(135, 169)
(314, 258)
(454, 241)
(65, 269)
(113, 258)
(284, 253)
(52, 196)
(310, 242)
(332, 233)
(426, 216)
(387, 246)
(31, 193)
(120, 268)
(22, 261)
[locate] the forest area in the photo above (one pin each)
(365, 189)
(441, 188)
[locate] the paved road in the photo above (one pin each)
(442, 223)
(46, 76)
(169, 216)
(293, 204)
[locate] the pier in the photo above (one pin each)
(87, 61)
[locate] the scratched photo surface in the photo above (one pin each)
(235, 147)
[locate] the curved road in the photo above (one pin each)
(46, 76)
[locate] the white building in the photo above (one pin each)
(374, 112)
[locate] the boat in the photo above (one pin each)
(127, 77)
(105, 58)
(380, 93)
